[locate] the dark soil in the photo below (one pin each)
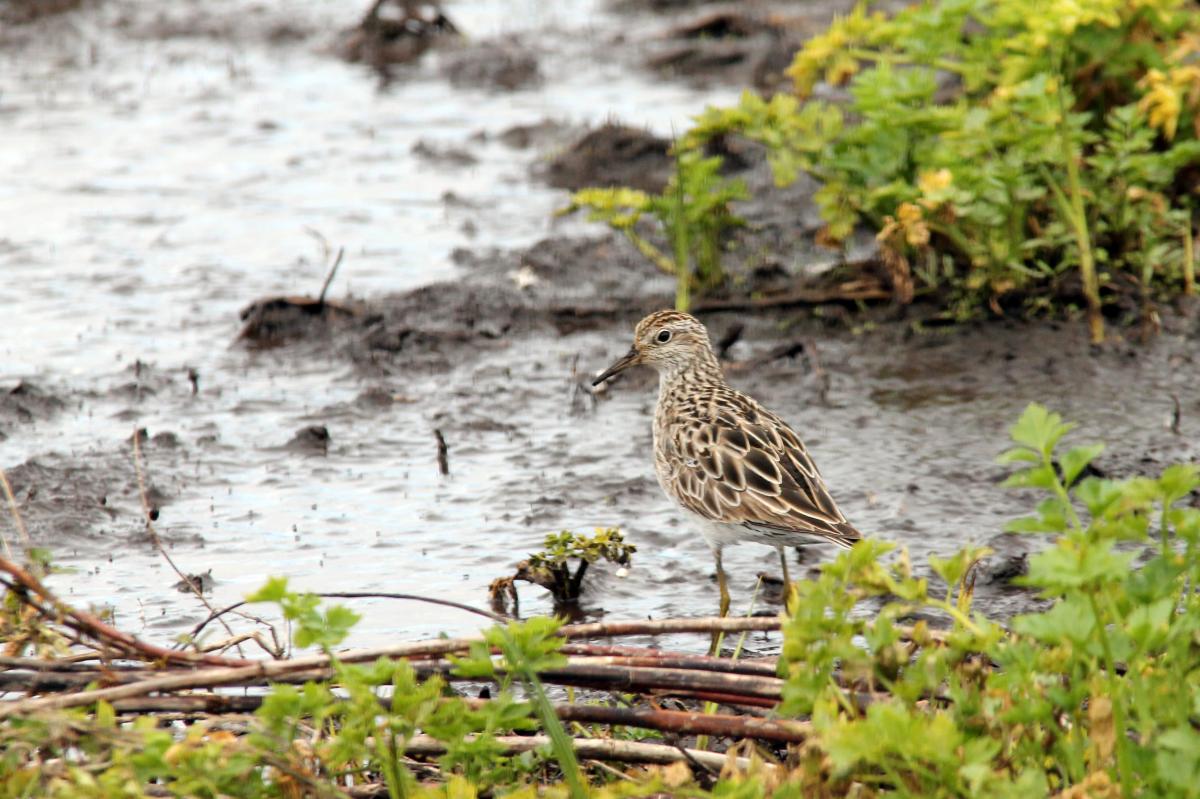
(612, 155)
(19, 12)
(24, 403)
(731, 45)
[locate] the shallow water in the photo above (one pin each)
(158, 184)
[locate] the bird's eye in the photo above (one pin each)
(663, 336)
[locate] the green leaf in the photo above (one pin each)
(1042, 476)
(1097, 494)
(1039, 429)
(1068, 565)
(1069, 620)
(1018, 455)
(1148, 624)
(1076, 460)
(1177, 481)
(274, 590)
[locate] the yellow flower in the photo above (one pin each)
(908, 223)
(935, 181)
(1164, 98)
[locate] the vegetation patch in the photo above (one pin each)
(1009, 155)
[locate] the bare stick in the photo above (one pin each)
(592, 748)
(449, 603)
(637, 656)
(329, 277)
(623, 678)
(687, 722)
(669, 626)
(361, 595)
(443, 452)
(17, 520)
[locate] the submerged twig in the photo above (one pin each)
(443, 453)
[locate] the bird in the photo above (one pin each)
(735, 468)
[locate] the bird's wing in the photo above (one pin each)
(738, 463)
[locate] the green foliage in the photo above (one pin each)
(692, 214)
(525, 649)
(305, 737)
(998, 146)
(552, 566)
(314, 627)
(1094, 697)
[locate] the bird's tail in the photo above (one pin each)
(845, 536)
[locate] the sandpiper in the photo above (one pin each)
(737, 469)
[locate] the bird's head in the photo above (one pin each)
(669, 341)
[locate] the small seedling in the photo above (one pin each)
(693, 216)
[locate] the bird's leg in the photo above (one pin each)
(723, 584)
(787, 580)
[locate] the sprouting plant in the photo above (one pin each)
(564, 560)
(693, 215)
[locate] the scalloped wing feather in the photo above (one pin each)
(726, 458)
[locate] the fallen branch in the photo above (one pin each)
(650, 718)
(617, 678)
(46, 603)
(612, 629)
(594, 749)
(670, 660)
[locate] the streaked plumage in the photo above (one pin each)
(738, 469)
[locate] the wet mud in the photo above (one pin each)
(424, 427)
(612, 155)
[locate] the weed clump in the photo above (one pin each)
(692, 213)
(561, 564)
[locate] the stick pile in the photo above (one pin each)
(139, 677)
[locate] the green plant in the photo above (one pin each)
(998, 146)
(564, 560)
(365, 731)
(1094, 697)
(693, 215)
(525, 649)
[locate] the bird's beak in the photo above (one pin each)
(631, 358)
